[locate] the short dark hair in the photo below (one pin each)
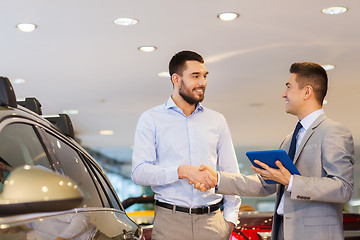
(312, 74)
(177, 62)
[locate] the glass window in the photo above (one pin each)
(73, 167)
(20, 145)
(106, 191)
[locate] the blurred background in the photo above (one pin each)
(86, 58)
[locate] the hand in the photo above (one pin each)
(281, 175)
(195, 175)
(232, 226)
(201, 186)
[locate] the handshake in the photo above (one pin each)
(203, 178)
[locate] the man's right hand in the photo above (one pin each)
(201, 186)
(198, 176)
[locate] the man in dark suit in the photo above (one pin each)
(307, 206)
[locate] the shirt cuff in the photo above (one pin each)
(172, 174)
(231, 217)
(289, 188)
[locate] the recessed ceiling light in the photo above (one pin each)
(71, 111)
(26, 27)
(328, 67)
(164, 74)
(147, 48)
(106, 132)
(334, 10)
(18, 81)
(125, 21)
(228, 16)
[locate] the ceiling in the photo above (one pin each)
(77, 58)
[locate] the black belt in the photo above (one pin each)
(196, 210)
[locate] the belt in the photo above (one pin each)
(196, 210)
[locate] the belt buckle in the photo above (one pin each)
(208, 208)
(190, 211)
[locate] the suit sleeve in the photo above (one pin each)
(336, 183)
(242, 185)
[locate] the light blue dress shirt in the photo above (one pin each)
(165, 138)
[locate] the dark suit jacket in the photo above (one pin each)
(313, 209)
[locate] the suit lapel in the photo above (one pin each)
(308, 134)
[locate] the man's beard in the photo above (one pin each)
(185, 93)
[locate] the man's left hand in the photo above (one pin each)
(232, 226)
(281, 175)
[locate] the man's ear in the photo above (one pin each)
(175, 78)
(309, 91)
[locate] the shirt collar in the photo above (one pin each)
(309, 119)
(170, 104)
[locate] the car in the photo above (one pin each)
(50, 187)
(252, 225)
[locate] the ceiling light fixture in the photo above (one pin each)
(147, 48)
(228, 16)
(328, 67)
(334, 10)
(125, 21)
(71, 111)
(26, 27)
(106, 132)
(164, 74)
(18, 81)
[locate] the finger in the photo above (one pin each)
(212, 180)
(202, 167)
(261, 164)
(279, 165)
(204, 189)
(197, 185)
(259, 170)
(190, 182)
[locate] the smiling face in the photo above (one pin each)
(294, 97)
(192, 82)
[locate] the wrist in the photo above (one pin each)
(181, 172)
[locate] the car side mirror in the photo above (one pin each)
(30, 189)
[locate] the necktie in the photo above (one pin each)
(291, 154)
(292, 148)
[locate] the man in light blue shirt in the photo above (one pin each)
(171, 142)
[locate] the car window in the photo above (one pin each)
(20, 145)
(106, 190)
(73, 167)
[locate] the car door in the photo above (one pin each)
(25, 142)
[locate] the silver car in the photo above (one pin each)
(50, 187)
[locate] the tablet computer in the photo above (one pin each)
(269, 157)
